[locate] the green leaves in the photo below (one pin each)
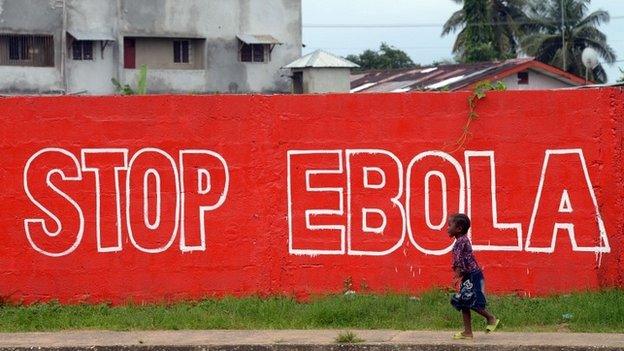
(580, 30)
(501, 29)
(387, 57)
(488, 29)
(126, 89)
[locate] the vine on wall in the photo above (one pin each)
(478, 93)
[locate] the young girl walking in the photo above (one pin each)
(471, 295)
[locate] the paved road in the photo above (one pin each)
(306, 340)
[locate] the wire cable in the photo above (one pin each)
(424, 25)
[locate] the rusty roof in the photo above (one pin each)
(451, 77)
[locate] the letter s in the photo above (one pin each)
(65, 238)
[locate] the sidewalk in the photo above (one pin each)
(304, 340)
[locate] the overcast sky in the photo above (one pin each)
(423, 44)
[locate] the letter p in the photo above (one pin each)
(205, 181)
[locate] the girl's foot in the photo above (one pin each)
(462, 335)
(492, 325)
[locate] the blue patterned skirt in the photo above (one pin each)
(471, 294)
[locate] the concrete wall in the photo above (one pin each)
(167, 80)
(93, 77)
(157, 53)
(218, 21)
(326, 80)
(537, 81)
(294, 195)
(32, 17)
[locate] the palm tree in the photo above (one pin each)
(505, 19)
(579, 31)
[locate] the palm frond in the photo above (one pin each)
(454, 23)
(595, 18)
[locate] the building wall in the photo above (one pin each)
(537, 81)
(93, 77)
(32, 17)
(326, 80)
(161, 81)
(219, 21)
(239, 176)
(157, 53)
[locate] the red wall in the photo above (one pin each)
(173, 197)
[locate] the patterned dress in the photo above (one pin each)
(463, 257)
(471, 294)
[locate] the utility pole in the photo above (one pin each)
(563, 43)
(64, 49)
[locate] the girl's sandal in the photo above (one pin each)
(492, 327)
(461, 336)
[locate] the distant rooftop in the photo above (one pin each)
(452, 76)
(321, 59)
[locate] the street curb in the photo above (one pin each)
(319, 347)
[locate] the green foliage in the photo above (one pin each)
(487, 29)
(431, 311)
(544, 42)
(500, 29)
(621, 80)
(387, 57)
(142, 81)
(479, 45)
(122, 89)
(479, 92)
(126, 89)
(444, 61)
(348, 337)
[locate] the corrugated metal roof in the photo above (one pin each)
(258, 39)
(451, 77)
(321, 59)
(91, 35)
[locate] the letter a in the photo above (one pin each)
(566, 200)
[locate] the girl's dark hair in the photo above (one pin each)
(461, 220)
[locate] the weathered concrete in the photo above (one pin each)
(216, 21)
(326, 80)
(374, 340)
(32, 17)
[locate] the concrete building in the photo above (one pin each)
(321, 72)
(190, 46)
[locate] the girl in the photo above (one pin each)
(471, 293)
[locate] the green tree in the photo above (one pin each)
(621, 80)
(579, 30)
(387, 57)
(487, 29)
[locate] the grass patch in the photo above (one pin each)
(348, 337)
(581, 312)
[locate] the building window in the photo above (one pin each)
(27, 50)
(82, 50)
(523, 78)
(253, 52)
(19, 48)
(181, 51)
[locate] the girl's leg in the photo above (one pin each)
(491, 319)
(467, 322)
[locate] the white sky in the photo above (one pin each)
(424, 44)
